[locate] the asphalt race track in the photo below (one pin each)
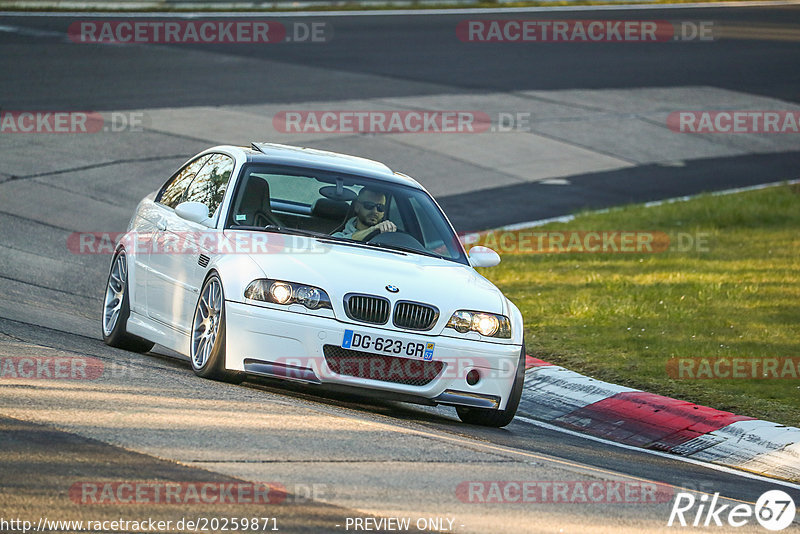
(595, 135)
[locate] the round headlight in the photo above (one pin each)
(461, 321)
(308, 297)
(281, 292)
(486, 324)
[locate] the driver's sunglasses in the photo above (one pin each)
(369, 206)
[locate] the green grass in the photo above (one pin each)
(620, 317)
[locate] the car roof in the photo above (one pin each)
(325, 160)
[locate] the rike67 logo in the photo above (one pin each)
(774, 510)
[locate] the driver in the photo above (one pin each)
(369, 208)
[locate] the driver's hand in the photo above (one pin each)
(385, 226)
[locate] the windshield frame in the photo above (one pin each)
(349, 179)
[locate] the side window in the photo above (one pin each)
(211, 182)
(173, 191)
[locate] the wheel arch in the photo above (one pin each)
(218, 369)
(130, 260)
(517, 323)
(236, 273)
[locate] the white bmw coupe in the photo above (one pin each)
(300, 264)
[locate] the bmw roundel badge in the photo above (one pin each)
(392, 289)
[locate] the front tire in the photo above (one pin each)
(498, 418)
(117, 309)
(208, 334)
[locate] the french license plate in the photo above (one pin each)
(387, 345)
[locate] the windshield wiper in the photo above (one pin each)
(405, 249)
(298, 231)
(280, 230)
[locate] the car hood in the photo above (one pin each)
(341, 268)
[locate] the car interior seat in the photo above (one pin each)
(330, 215)
(254, 205)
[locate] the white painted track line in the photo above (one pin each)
(715, 467)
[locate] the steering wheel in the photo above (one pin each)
(397, 238)
(370, 236)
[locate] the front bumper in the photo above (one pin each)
(277, 343)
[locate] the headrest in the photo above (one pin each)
(255, 196)
(330, 209)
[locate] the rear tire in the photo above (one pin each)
(117, 309)
(208, 334)
(498, 418)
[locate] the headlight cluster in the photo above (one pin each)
(280, 292)
(486, 324)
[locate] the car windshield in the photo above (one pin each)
(333, 205)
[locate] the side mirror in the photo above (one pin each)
(194, 211)
(483, 257)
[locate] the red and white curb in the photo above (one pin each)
(624, 415)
